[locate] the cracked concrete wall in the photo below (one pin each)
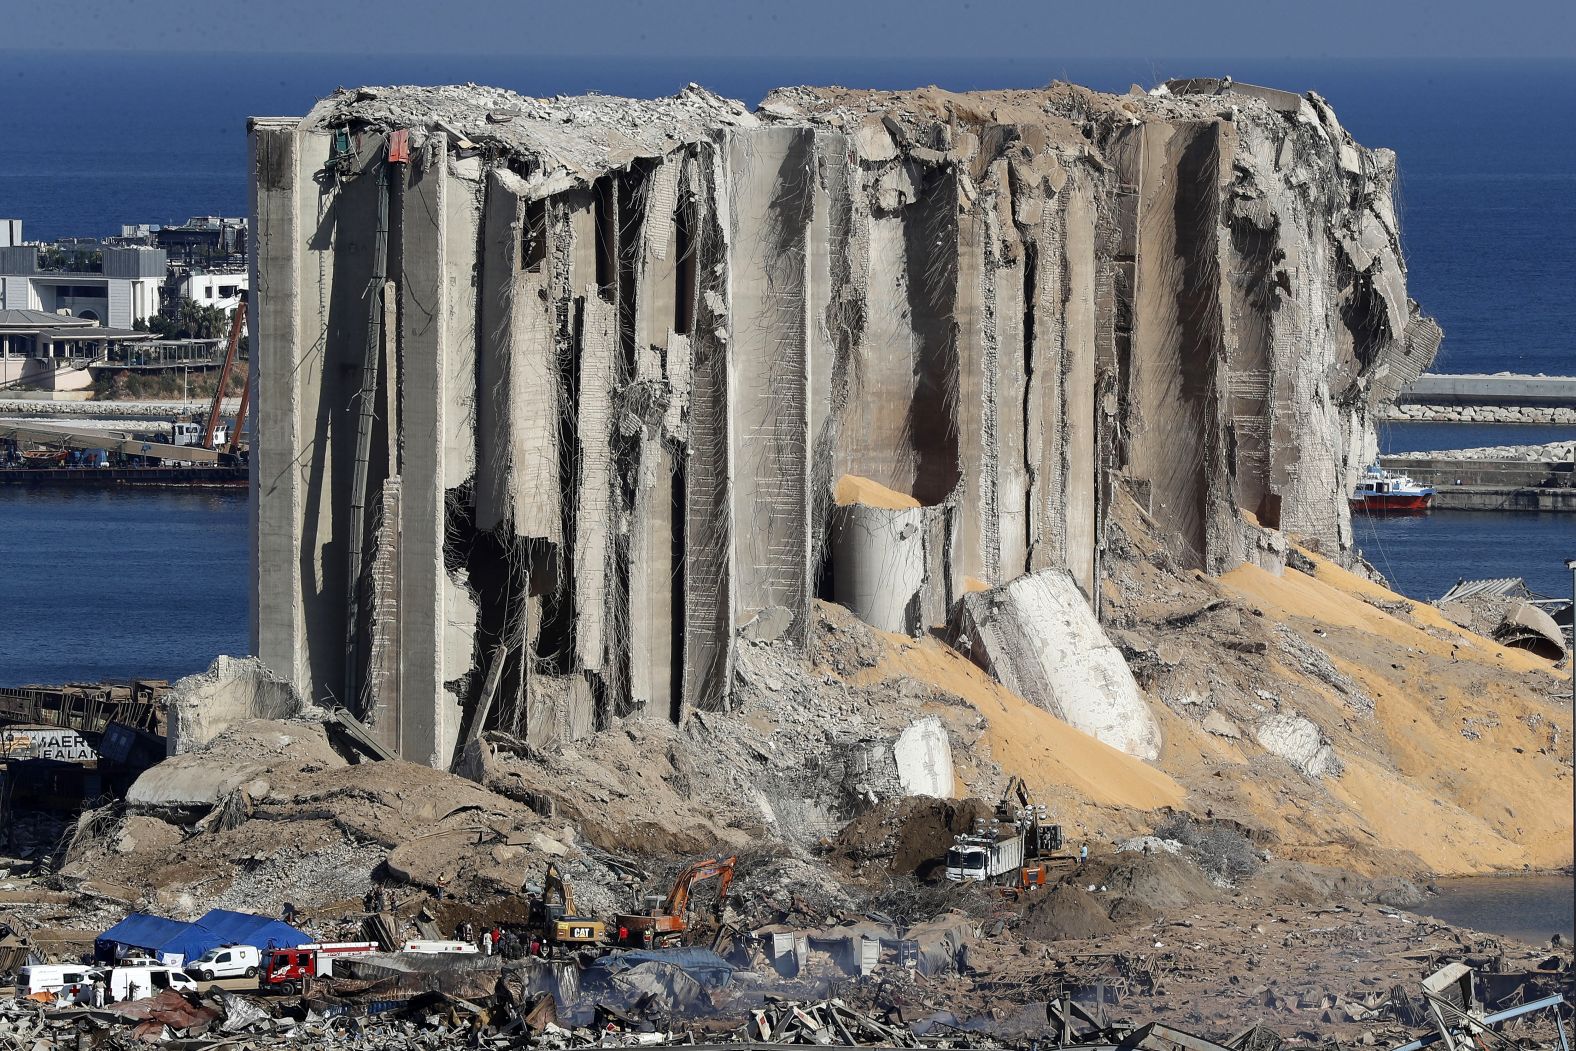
(634, 345)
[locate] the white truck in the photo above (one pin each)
(982, 856)
(1017, 845)
(226, 961)
(137, 983)
(71, 983)
(187, 432)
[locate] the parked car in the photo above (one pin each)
(227, 961)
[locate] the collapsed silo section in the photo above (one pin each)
(888, 557)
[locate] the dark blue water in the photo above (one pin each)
(1428, 437)
(1487, 157)
(1424, 555)
(1529, 908)
(115, 585)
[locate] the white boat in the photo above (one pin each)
(1384, 492)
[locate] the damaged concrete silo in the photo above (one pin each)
(555, 395)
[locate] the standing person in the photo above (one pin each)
(1083, 855)
(487, 943)
(289, 913)
(99, 991)
(493, 938)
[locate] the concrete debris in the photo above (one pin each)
(233, 690)
(503, 1009)
(1040, 638)
(1529, 627)
(827, 1022)
(1299, 742)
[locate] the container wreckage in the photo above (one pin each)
(557, 395)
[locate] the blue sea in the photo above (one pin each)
(107, 585)
(1487, 153)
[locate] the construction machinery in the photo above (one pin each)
(556, 920)
(666, 921)
(213, 433)
(1014, 849)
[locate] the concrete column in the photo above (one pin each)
(977, 544)
(708, 470)
(771, 173)
(277, 623)
(594, 485)
(878, 564)
(423, 344)
(1079, 390)
(1178, 340)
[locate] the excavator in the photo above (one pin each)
(1014, 851)
(1040, 840)
(667, 921)
(555, 919)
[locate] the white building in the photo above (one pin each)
(118, 291)
(213, 288)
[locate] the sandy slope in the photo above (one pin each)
(1465, 761)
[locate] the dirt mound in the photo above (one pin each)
(1282, 881)
(853, 489)
(1065, 912)
(906, 837)
(1141, 886)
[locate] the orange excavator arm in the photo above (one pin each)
(722, 868)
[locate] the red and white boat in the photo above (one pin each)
(1382, 492)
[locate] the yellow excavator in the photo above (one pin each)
(665, 922)
(555, 919)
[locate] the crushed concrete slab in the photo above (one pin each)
(1038, 636)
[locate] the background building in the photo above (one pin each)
(117, 286)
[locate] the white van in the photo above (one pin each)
(227, 961)
(137, 983)
(70, 982)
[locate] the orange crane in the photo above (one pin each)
(237, 322)
(667, 921)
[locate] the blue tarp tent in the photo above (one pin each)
(164, 938)
(137, 931)
(223, 927)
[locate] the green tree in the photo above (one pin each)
(191, 320)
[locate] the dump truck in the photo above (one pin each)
(666, 921)
(556, 921)
(1013, 849)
